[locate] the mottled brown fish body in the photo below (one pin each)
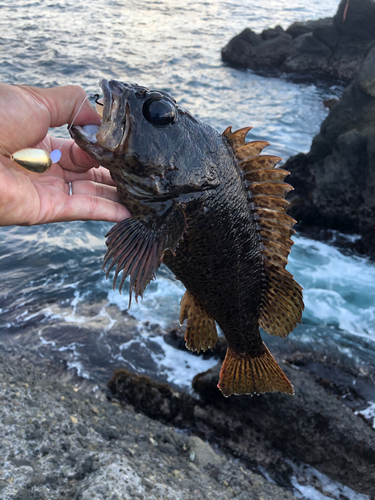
(226, 278)
(212, 209)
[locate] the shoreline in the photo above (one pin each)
(48, 417)
(58, 440)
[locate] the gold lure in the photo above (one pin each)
(37, 161)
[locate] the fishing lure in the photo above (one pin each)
(39, 161)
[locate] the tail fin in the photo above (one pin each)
(243, 374)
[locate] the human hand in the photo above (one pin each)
(26, 113)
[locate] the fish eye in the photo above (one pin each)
(159, 112)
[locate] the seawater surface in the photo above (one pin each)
(55, 302)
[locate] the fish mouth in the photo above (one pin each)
(113, 133)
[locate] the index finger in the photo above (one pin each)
(26, 113)
(63, 104)
(72, 156)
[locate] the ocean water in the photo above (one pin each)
(55, 302)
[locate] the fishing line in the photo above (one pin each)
(38, 160)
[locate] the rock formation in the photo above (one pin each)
(328, 48)
(335, 182)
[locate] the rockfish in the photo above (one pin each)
(212, 209)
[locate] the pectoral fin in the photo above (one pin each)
(137, 248)
(201, 331)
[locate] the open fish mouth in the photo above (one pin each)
(111, 135)
(88, 132)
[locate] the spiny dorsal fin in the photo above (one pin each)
(237, 139)
(250, 149)
(281, 304)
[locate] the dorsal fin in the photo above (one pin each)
(250, 149)
(281, 303)
(237, 139)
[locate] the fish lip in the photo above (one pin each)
(113, 133)
(107, 98)
(111, 113)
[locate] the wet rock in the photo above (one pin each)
(326, 48)
(269, 54)
(155, 399)
(335, 182)
(366, 77)
(149, 460)
(327, 35)
(308, 43)
(315, 426)
(300, 28)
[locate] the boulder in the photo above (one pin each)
(326, 48)
(247, 50)
(335, 182)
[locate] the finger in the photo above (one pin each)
(100, 175)
(29, 112)
(72, 156)
(86, 207)
(95, 189)
(63, 104)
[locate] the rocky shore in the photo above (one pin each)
(59, 440)
(330, 48)
(321, 425)
(335, 182)
(63, 438)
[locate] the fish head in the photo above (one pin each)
(155, 147)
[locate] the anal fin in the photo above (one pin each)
(245, 374)
(201, 333)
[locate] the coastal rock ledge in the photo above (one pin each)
(334, 184)
(326, 48)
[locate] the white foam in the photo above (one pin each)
(328, 488)
(161, 302)
(369, 412)
(81, 372)
(179, 366)
(339, 290)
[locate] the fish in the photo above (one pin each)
(212, 208)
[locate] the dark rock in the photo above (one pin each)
(272, 33)
(325, 48)
(155, 399)
(51, 480)
(33, 433)
(366, 77)
(82, 430)
(327, 35)
(335, 182)
(359, 20)
(308, 43)
(24, 494)
(249, 36)
(269, 54)
(108, 432)
(313, 427)
(300, 28)
(348, 57)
